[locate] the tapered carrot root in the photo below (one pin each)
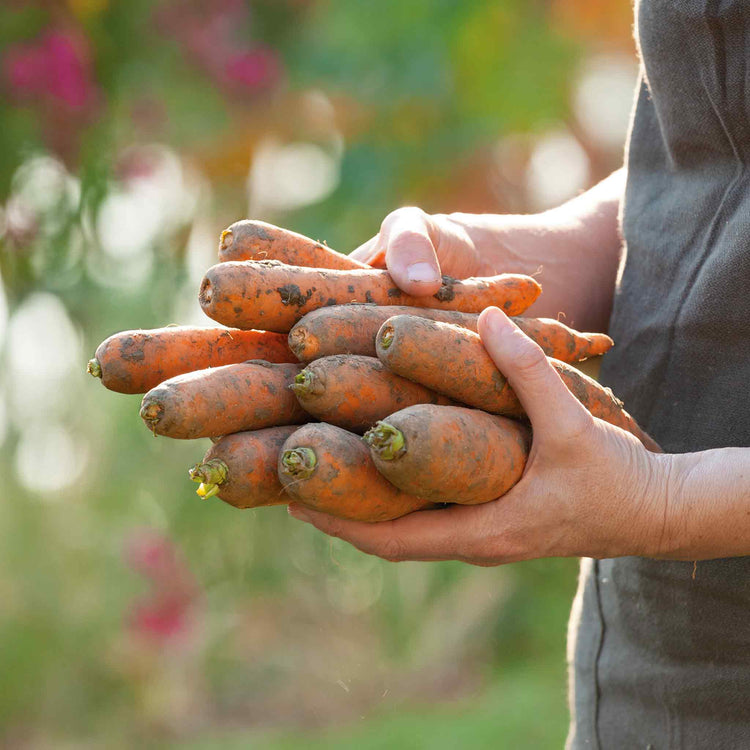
(272, 296)
(354, 392)
(256, 240)
(453, 361)
(561, 342)
(223, 400)
(330, 470)
(450, 453)
(136, 361)
(240, 469)
(351, 329)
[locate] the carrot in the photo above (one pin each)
(222, 400)
(330, 469)
(449, 453)
(255, 240)
(453, 361)
(354, 392)
(136, 361)
(352, 329)
(272, 296)
(241, 468)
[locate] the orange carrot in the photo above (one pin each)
(256, 240)
(222, 400)
(136, 361)
(272, 296)
(241, 469)
(453, 361)
(354, 392)
(330, 469)
(351, 329)
(449, 453)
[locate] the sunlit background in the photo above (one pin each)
(131, 133)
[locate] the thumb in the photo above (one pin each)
(410, 252)
(551, 407)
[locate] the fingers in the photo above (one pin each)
(410, 252)
(367, 250)
(453, 533)
(406, 247)
(551, 407)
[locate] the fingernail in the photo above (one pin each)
(295, 511)
(423, 272)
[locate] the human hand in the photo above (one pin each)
(589, 488)
(419, 248)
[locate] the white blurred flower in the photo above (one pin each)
(44, 351)
(48, 458)
(557, 170)
(284, 177)
(604, 98)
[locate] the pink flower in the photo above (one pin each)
(168, 610)
(255, 69)
(55, 65)
(160, 619)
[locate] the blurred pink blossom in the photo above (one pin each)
(168, 611)
(56, 64)
(258, 68)
(215, 38)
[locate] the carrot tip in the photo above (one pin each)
(297, 341)
(226, 241)
(206, 292)
(94, 368)
(299, 462)
(385, 440)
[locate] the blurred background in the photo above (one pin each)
(131, 134)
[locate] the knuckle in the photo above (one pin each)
(333, 527)
(529, 359)
(408, 238)
(405, 213)
(392, 549)
(577, 430)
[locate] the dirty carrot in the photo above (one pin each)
(136, 361)
(330, 470)
(453, 361)
(240, 469)
(222, 400)
(256, 240)
(273, 296)
(449, 454)
(354, 392)
(352, 329)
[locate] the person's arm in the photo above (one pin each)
(573, 251)
(589, 489)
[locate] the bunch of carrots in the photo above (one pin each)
(328, 385)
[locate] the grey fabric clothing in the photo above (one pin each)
(662, 657)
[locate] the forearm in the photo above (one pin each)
(707, 504)
(573, 250)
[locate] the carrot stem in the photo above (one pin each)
(386, 337)
(306, 383)
(226, 241)
(387, 441)
(94, 368)
(151, 414)
(210, 474)
(299, 462)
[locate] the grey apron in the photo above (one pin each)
(661, 652)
